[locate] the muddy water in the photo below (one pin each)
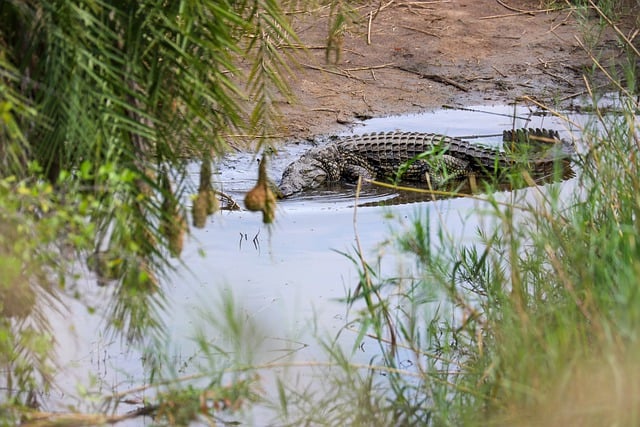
(287, 279)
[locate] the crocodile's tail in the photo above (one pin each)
(541, 143)
(530, 135)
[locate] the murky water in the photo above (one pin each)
(290, 277)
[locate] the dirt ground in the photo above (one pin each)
(422, 55)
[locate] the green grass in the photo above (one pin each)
(537, 323)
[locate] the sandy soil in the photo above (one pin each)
(424, 55)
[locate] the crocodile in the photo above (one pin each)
(421, 157)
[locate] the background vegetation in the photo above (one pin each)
(104, 104)
(538, 323)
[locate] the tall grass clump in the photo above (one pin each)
(536, 322)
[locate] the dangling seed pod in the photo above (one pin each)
(199, 210)
(173, 225)
(260, 197)
(205, 202)
(213, 205)
(176, 238)
(205, 190)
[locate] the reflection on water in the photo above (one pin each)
(287, 279)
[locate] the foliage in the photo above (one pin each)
(103, 106)
(37, 230)
(535, 323)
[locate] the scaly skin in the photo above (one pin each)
(423, 156)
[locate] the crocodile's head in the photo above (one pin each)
(316, 167)
(305, 173)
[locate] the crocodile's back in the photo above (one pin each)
(386, 151)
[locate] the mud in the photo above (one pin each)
(422, 55)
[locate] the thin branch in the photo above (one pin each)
(232, 205)
(420, 31)
(435, 78)
(369, 28)
(373, 67)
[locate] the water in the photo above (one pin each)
(287, 280)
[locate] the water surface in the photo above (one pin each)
(287, 279)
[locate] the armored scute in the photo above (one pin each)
(422, 157)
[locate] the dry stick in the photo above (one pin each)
(302, 46)
(422, 3)
(521, 11)
(511, 8)
(436, 78)
(381, 8)
(420, 31)
(558, 76)
(373, 67)
(498, 71)
(553, 29)
(369, 28)
(475, 110)
(367, 277)
(232, 205)
(552, 111)
(326, 110)
(507, 15)
(275, 365)
(440, 193)
(343, 73)
(582, 92)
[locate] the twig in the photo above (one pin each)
(552, 111)
(498, 71)
(506, 15)
(582, 92)
(381, 8)
(304, 364)
(373, 67)
(410, 4)
(53, 419)
(557, 76)
(420, 31)
(520, 12)
(302, 46)
(435, 78)
(343, 73)
(475, 110)
(442, 193)
(326, 110)
(513, 9)
(232, 205)
(369, 28)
